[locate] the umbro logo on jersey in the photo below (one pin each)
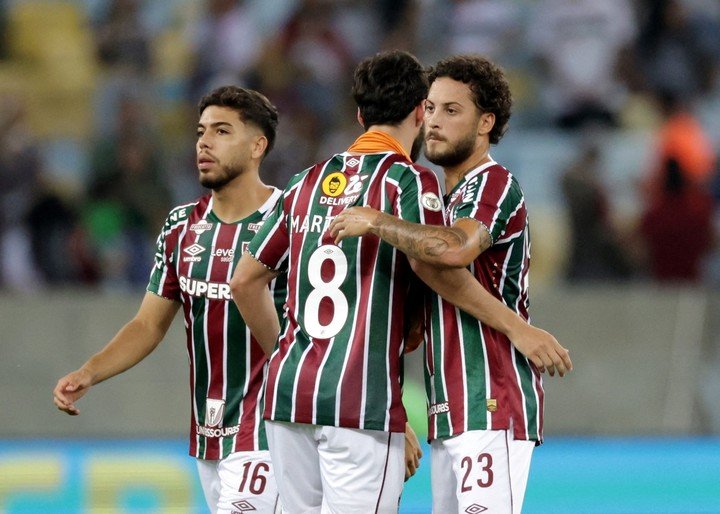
(352, 162)
(201, 227)
(194, 251)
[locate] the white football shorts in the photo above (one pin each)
(241, 482)
(478, 471)
(331, 470)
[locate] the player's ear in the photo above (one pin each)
(420, 113)
(486, 123)
(259, 146)
(360, 118)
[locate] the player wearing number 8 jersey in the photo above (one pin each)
(483, 366)
(333, 393)
(197, 250)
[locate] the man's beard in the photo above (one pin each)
(454, 155)
(229, 173)
(417, 145)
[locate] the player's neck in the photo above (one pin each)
(240, 198)
(403, 134)
(454, 174)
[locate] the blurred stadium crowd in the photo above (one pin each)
(97, 116)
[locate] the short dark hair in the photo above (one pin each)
(251, 106)
(490, 89)
(388, 86)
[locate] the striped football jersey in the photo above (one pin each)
(339, 358)
(195, 259)
(475, 378)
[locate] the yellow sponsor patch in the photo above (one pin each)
(334, 184)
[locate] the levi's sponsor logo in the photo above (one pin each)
(193, 253)
(211, 290)
(225, 254)
(200, 227)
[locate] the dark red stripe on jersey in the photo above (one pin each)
(352, 382)
(216, 317)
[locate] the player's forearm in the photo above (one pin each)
(258, 310)
(249, 289)
(432, 244)
(458, 286)
(135, 341)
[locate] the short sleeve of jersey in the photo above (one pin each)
(271, 243)
(163, 277)
(493, 199)
(420, 198)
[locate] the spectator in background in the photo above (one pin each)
(579, 45)
(20, 171)
(321, 58)
(124, 52)
(673, 52)
(122, 39)
(127, 197)
(677, 227)
(489, 27)
(226, 46)
(683, 139)
(595, 249)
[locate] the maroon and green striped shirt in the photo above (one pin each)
(339, 358)
(196, 256)
(475, 378)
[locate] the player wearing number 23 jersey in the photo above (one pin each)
(336, 363)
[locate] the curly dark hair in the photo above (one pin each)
(388, 86)
(487, 82)
(251, 106)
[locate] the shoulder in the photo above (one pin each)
(497, 176)
(180, 214)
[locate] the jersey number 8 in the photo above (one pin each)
(322, 289)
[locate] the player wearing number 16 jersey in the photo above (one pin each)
(333, 396)
(198, 248)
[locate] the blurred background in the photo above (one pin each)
(614, 138)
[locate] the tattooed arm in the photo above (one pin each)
(431, 247)
(454, 247)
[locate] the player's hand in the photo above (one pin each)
(352, 222)
(413, 453)
(543, 350)
(70, 389)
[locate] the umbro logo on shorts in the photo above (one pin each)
(475, 509)
(244, 506)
